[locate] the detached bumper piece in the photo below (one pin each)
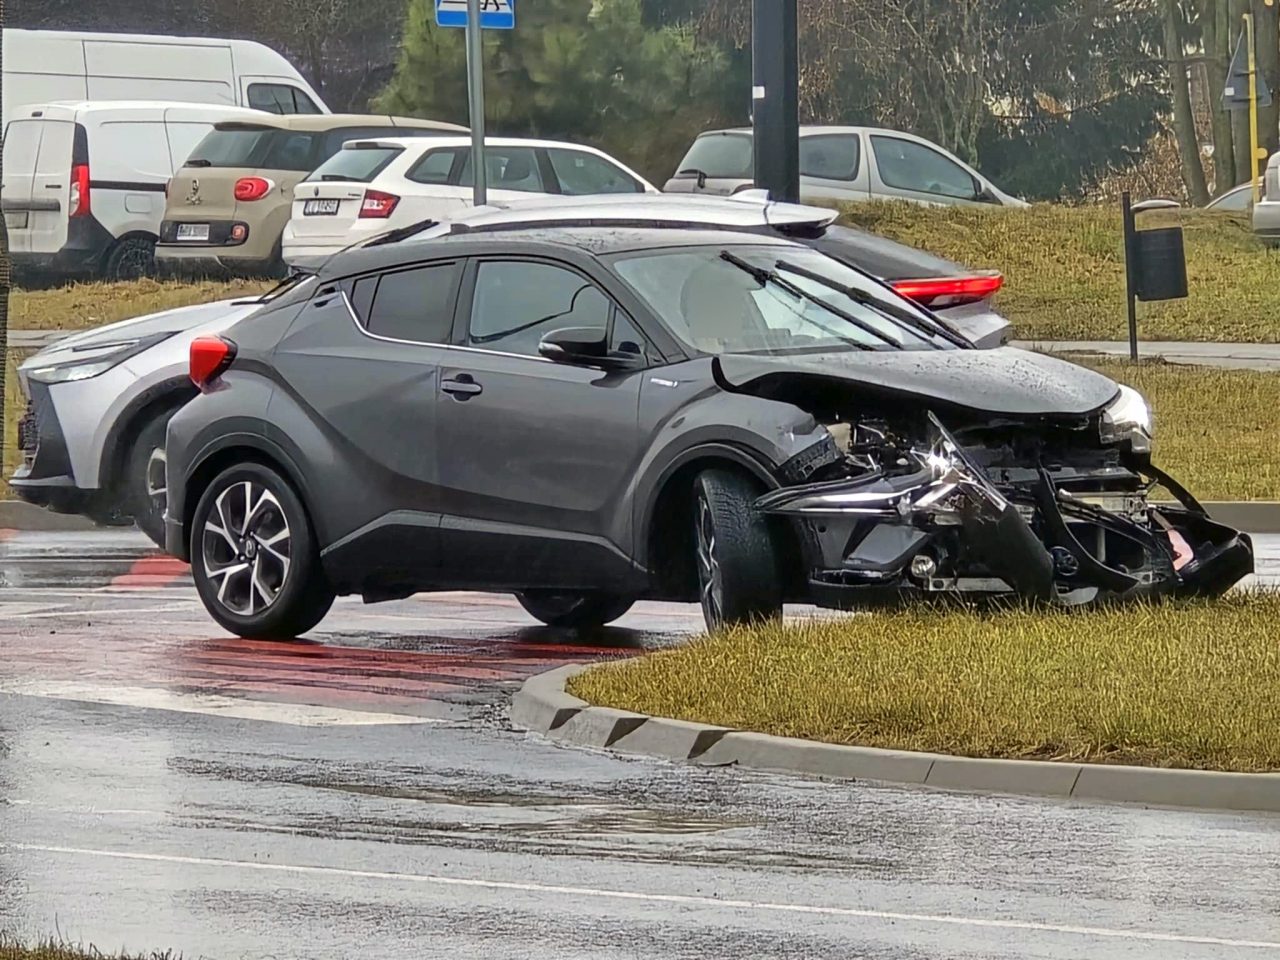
(946, 528)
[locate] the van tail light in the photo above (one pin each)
(949, 291)
(252, 188)
(209, 359)
(80, 190)
(377, 205)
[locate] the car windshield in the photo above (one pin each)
(775, 299)
(356, 164)
(230, 147)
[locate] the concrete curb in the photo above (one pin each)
(542, 706)
(18, 515)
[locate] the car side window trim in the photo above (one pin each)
(466, 297)
(858, 162)
(550, 182)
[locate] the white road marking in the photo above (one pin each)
(156, 698)
(95, 612)
(1148, 936)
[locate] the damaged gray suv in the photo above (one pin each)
(592, 415)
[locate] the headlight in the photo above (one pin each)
(1128, 418)
(92, 359)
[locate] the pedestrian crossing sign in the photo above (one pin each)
(494, 14)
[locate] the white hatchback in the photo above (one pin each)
(372, 186)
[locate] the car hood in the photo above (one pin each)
(166, 321)
(1003, 382)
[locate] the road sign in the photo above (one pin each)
(494, 14)
(1236, 94)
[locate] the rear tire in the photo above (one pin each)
(736, 562)
(144, 483)
(570, 609)
(130, 259)
(254, 556)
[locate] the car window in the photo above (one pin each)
(510, 168)
(231, 147)
(832, 156)
(727, 155)
(434, 167)
(913, 166)
(356, 164)
(412, 304)
(625, 337)
(290, 150)
(1234, 201)
(582, 173)
(517, 304)
(280, 98)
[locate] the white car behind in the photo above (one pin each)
(371, 186)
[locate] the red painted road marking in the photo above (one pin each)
(152, 572)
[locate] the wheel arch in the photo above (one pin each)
(171, 395)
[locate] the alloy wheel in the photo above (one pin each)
(156, 489)
(710, 579)
(246, 547)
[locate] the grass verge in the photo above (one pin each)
(1064, 269)
(82, 305)
(12, 950)
(1189, 685)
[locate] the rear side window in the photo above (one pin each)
(280, 98)
(580, 173)
(721, 155)
(231, 147)
(510, 168)
(832, 156)
(434, 167)
(412, 304)
(356, 164)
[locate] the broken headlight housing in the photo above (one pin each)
(1128, 418)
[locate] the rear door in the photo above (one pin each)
(51, 185)
(536, 456)
(909, 170)
(203, 188)
(21, 149)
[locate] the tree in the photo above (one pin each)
(1184, 123)
(1215, 32)
(574, 70)
(5, 270)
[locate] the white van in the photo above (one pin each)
(41, 66)
(84, 183)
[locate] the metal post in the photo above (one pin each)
(1253, 107)
(475, 97)
(1130, 231)
(775, 95)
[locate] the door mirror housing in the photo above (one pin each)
(586, 347)
(986, 195)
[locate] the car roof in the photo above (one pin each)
(810, 130)
(466, 142)
(92, 107)
(594, 240)
(322, 122)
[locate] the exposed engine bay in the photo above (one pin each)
(1056, 509)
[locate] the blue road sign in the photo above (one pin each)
(494, 14)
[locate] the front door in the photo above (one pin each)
(536, 458)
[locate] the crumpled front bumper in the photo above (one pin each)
(889, 532)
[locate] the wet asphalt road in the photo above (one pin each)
(163, 786)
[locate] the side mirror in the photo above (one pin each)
(587, 347)
(985, 195)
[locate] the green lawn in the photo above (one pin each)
(83, 305)
(1064, 269)
(1192, 685)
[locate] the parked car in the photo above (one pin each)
(590, 416)
(1266, 212)
(843, 163)
(229, 202)
(97, 405)
(45, 65)
(84, 183)
(1236, 200)
(371, 185)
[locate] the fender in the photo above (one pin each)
(175, 393)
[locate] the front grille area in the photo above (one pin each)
(29, 434)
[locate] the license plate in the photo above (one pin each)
(193, 231)
(17, 220)
(320, 208)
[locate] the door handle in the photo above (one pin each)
(462, 386)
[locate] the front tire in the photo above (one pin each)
(577, 610)
(736, 562)
(254, 557)
(146, 491)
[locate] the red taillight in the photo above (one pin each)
(252, 188)
(377, 205)
(80, 190)
(951, 290)
(210, 356)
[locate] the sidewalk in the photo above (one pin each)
(1237, 356)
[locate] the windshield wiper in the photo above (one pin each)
(931, 327)
(763, 276)
(198, 163)
(402, 233)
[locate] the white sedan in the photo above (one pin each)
(372, 186)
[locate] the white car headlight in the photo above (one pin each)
(93, 359)
(1128, 418)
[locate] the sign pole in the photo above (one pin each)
(775, 113)
(1253, 107)
(475, 97)
(1130, 232)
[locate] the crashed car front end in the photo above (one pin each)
(896, 501)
